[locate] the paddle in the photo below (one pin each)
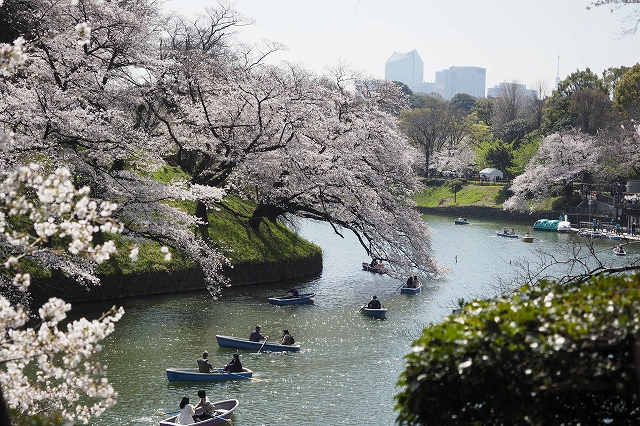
(364, 306)
(161, 413)
(234, 374)
(263, 343)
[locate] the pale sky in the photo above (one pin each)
(515, 40)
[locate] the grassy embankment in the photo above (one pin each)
(437, 193)
(229, 232)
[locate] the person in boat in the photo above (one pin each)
(416, 283)
(504, 231)
(287, 338)
(374, 262)
(374, 303)
(234, 366)
(409, 283)
(203, 363)
(187, 411)
(619, 249)
(256, 336)
(513, 231)
(208, 409)
(292, 292)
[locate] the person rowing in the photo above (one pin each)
(292, 292)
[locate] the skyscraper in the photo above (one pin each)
(406, 68)
(469, 80)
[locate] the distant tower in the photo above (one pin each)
(558, 73)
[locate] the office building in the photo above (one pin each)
(406, 68)
(469, 80)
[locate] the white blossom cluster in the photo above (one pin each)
(12, 57)
(59, 209)
(62, 365)
(66, 369)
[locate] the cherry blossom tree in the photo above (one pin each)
(561, 159)
(64, 373)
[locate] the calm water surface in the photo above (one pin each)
(348, 367)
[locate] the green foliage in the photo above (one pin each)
(484, 109)
(167, 174)
(524, 153)
(500, 156)
(563, 202)
(242, 243)
(513, 131)
(463, 102)
(627, 92)
(545, 355)
(558, 114)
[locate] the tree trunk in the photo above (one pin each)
(201, 213)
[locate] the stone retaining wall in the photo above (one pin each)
(127, 286)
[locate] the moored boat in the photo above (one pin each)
(546, 225)
(564, 226)
(461, 221)
(590, 234)
(223, 411)
(194, 375)
(374, 313)
(240, 343)
(300, 299)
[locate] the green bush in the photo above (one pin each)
(546, 355)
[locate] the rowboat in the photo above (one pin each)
(411, 290)
(379, 269)
(527, 238)
(223, 411)
(194, 375)
(505, 234)
(461, 221)
(375, 313)
(619, 251)
(240, 343)
(292, 300)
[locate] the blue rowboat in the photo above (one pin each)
(506, 235)
(240, 343)
(461, 221)
(194, 375)
(302, 298)
(411, 290)
(223, 411)
(375, 313)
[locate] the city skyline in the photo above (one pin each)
(513, 41)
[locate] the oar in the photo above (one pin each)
(234, 374)
(263, 343)
(161, 413)
(363, 306)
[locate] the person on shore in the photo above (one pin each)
(203, 363)
(234, 366)
(374, 303)
(287, 338)
(256, 336)
(187, 411)
(208, 409)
